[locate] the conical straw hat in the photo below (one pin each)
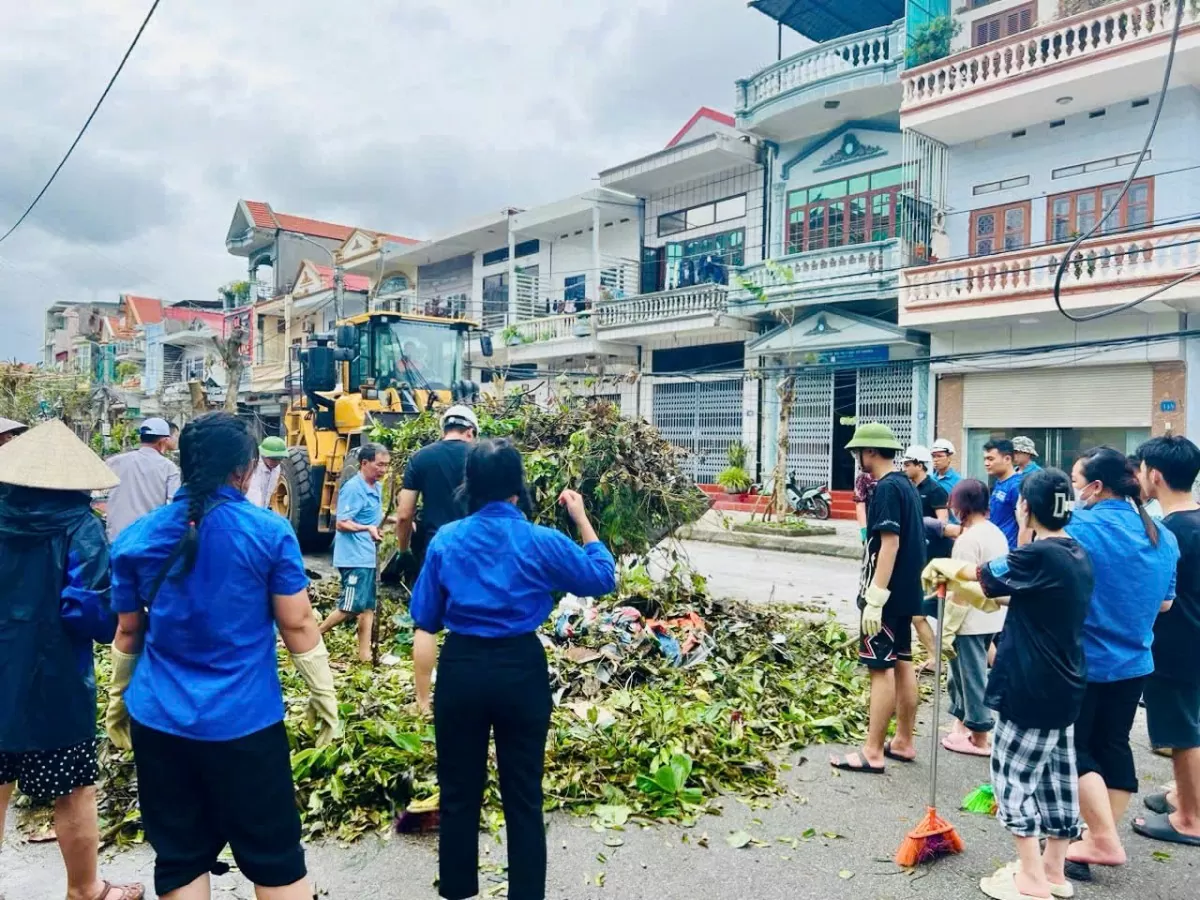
(50, 456)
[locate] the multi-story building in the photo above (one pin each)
(1023, 137)
(825, 295)
(70, 331)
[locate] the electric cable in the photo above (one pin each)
(1067, 257)
(83, 130)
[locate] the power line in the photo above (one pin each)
(83, 130)
(1066, 260)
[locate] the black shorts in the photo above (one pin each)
(198, 796)
(1173, 713)
(892, 645)
(50, 774)
(1102, 733)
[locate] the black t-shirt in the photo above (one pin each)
(895, 508)
(934, 497)
(436, 472)
(1177, 631)
(1040, 675)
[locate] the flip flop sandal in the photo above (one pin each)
(960, 743)
(127, 891)
(845, 765)
(1003, 886)
(1058, 891)
(1159, 828)
(1157, 803)
(887, 751)
(1077, 871)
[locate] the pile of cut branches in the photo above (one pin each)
(628, 474)
(636, 732)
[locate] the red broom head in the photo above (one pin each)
(933, 837)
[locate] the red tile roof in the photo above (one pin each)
(265, 217)
(359, 283)
(146, 310)
(704, 112)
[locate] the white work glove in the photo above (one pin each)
(116, 717)
(313, 667)
(872, 616)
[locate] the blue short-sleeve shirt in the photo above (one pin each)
(208, 670)
(361, 503)
(1133, 579)
(1003, 507)
(492, 574)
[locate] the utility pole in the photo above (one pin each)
(339, 290)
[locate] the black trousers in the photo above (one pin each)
(1102, 733)
(486, 685)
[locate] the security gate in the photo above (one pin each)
(810, 430)
(885, 394)
(702, 418)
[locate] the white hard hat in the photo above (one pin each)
(918, 453)
(943, 446)
(460, 415)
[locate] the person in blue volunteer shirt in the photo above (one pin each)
(359, 515)
(1134, 561)
(998, 460)
(488, 580)
(1025, 455)
(944, 473)
(199, 586)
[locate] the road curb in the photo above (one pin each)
(815, 546)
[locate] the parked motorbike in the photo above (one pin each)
(810, 501)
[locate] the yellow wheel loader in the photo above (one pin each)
(376, 367)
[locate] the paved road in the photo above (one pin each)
(869, 814)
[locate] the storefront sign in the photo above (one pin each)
(1167, 406)
(855, 355)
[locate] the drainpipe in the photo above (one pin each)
(769, 151)
(512, 274)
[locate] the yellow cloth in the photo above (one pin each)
(116, 717)
(313, 667)
(956, 575)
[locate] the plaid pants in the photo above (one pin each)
(1035, 781)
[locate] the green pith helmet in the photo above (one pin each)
(874, 436)
(272, 448)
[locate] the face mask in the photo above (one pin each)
(1083, 499)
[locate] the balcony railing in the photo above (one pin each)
(1078, 37)
(548, 328)
(665, 305)
(879, 48)
(1142, 258)
(818, 270)
(454, 306)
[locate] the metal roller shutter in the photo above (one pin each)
(703, 418)
(1110, 397)
(885, 394)
(809, 429)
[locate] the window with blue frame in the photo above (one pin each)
(575, 288)
(705, 260)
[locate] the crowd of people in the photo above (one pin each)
(1066, 605)
(194, 585)
(1080, 602)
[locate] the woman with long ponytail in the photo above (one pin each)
(1134, 562)
(200, 586)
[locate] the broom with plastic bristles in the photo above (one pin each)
(933, 837)
(982, 800)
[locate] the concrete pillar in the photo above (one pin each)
(512, 275)
(1169, 390)
(593, 291)
(1192, 378)
(949, 422)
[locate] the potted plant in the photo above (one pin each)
(583, 325)
(932, 41)
(735, 479)
(511, 336)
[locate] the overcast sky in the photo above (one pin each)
(407, 116)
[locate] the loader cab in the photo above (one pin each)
(403, 353)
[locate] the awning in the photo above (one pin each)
(835, 337)
(682, 163)
(824, 20)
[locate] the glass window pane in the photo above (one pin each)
(816, 228)
(797, 198)
(1062, 218)
(733, 208)
(984, 246)
(837, 213)
(860, 185)
(671, 223)
(858, 221)
(985, 224)
(882, 227)
(887, 177)
(701, 216)
(826, 191)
